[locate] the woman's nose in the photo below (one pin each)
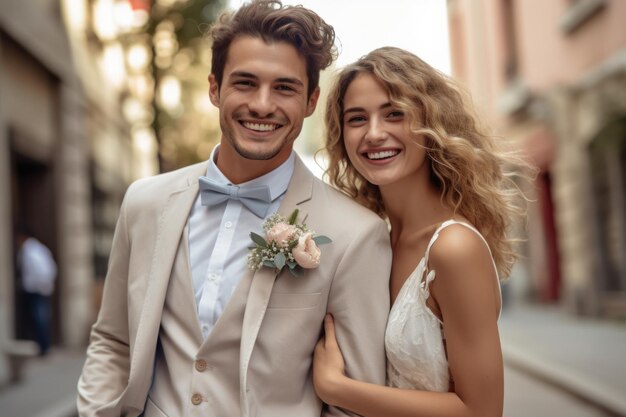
(375, 134)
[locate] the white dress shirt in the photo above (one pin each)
(38, 268)
(219, 237)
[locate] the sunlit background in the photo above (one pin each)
(95, 94)
(420, 26)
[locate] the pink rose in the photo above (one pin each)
(280, 233)
(306, 253)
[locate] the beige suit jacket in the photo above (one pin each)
(351, 283)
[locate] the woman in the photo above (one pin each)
(402, 141)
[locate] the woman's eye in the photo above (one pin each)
(395, 114)
(355, 119)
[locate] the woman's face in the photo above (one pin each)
(377, 137)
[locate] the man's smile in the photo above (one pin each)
(260, 127)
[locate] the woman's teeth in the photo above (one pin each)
(382, 155)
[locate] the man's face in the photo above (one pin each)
(262, 101)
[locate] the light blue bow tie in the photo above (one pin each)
(256, 198)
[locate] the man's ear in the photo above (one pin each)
(214, 91)
(310, 107)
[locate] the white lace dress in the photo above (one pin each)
(416, 356)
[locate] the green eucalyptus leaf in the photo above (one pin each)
(258, 239)
(293, 217)
(297, 272)
(269, 264)
(321, 240)
(279, 260)
(291, 264)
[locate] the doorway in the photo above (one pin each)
(33, 206)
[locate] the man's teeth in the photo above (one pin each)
(382, 155)
(262, 127)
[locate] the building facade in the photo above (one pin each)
(550, 77)
(66, 158)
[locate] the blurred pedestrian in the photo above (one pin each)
(37, 271)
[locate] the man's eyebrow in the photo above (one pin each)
(289, 80)
(244, 74)
(361, 109)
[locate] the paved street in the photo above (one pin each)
(585, 356)
(48, 388)
(556, 365)
(526, 396)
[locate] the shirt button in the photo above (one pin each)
(212, 277)
(201, 365)
(228, 224)
(196, 399)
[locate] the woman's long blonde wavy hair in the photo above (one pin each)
(464, 162)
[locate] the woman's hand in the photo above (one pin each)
(328, 364)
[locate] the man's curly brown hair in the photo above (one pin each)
(271, 21)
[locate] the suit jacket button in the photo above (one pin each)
(196, 399)
(201, 365)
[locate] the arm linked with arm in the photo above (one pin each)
(464, 290)
(359, 303)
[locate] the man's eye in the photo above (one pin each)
(244, 83)
(286, 88)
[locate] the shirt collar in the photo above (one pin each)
(277, 180)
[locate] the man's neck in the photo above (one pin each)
(239, 170)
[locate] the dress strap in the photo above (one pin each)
(436, 235)
(428, 276)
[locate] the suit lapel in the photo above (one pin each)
(170, 228)
(299, 191)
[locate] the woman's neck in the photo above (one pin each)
(412, 206)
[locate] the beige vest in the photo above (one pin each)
(192, 376)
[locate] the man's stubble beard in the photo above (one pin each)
(255, 155)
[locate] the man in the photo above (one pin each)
(185, 328)
(37, 271)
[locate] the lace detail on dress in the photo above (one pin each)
(416, 356)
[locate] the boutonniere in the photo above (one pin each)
(286, 243)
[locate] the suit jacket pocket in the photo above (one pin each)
(294, 301)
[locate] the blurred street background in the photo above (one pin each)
(97, 93)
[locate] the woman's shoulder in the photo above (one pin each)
(467, 278)
(458, 245)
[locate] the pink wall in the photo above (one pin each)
(478, 50)
(550, 57)
(547, 56)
